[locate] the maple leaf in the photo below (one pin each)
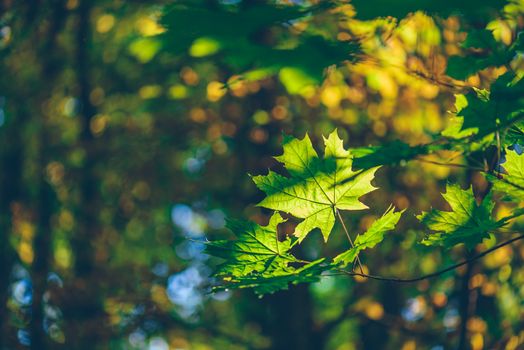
(256, 248)
(316, 187)
(373, 236)
(515, 134)
(512, 183)
(276, 279)
(258, 260)
(485, 111)
(467, 222)
(494, 54)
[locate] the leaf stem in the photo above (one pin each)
(349, 239)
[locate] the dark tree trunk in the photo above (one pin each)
(465, 306)
(42, 248)
(11, 160)
(290, 320)
(85, 318)
(45, 201)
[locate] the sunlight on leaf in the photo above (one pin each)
(467, 222)
(373, 236)
(316, 187)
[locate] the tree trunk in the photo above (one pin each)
(83, 309)
(290, 320)
(42, 248)
(45, 201)
(11, 160)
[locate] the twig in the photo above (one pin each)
(434, 274)
(456, 165)
(349, 239)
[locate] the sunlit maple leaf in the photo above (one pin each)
(467, 222)
(316, 188)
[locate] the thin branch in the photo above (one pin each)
(349, 239)
(434, 274)
(498, 147)
(456, 165)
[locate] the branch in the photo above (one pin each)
(434, 274)
(455, 165)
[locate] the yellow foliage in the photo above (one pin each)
(477, 341)
(105, 23)
(215, 91)
(25, 252)
(148, 27)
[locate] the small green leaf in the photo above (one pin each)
(455, 126)
(512, 183)
(373, 236)
(467, 222)
(515, 134)
(495, 55)
(482, 112)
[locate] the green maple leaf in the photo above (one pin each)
(495, 54)
(515, 134)
(373, 236)
(482, 112)
(512, 183)
(467, 222)
(316, 187)
(258, 260)
(273, 280)
(256, 248)
(487, 111)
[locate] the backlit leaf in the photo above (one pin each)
(316, 187)
(467, 222)
(256, 248)
(373, 236)
(511, 183)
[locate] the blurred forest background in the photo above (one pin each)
(125, 130)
